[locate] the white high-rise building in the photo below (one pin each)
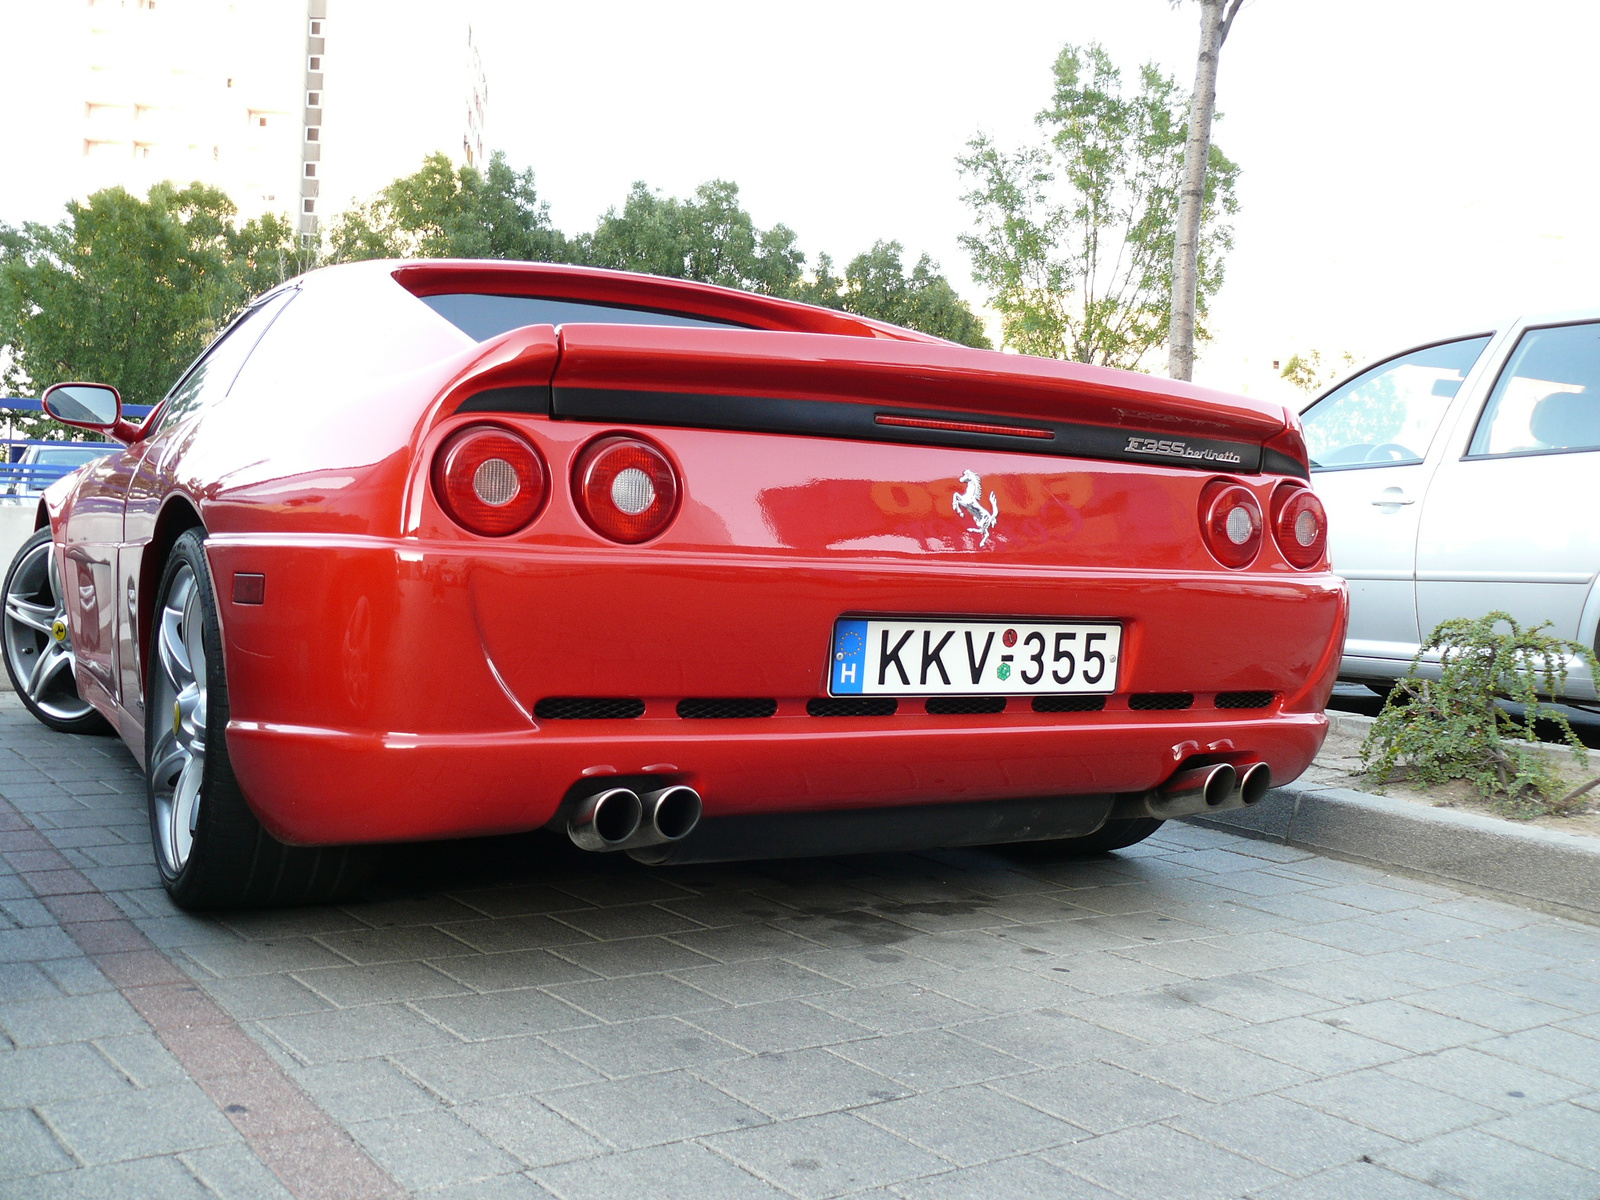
(290, 106)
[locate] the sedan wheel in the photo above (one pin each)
(37, 644)
(211, 850)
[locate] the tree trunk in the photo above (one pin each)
(1214, 23)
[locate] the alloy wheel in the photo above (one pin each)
(178, 699)
(38, 645)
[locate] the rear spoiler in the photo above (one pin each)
(823, 385)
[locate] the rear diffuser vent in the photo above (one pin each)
(1243, 699)
(737, 708)
(961, 706)
(1060, 704)
(852, 706)
(1148, 701)
(588, 708)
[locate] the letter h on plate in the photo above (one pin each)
(849, 657)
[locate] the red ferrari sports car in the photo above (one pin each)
(437, 549)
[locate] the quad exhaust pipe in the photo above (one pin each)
(1199, 790)
(620, 818)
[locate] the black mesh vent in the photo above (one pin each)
(852, 706)
(1050, 704)
(961, 706)
(1146, 701)
(588, 708)
(1243, 699)
(736, 708)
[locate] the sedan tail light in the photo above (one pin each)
(1230, 523)
(490, 480)
(1299, 526)
(625, 488)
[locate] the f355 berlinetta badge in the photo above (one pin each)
(970, 501)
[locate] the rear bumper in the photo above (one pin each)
(385, 691)
(320, 786)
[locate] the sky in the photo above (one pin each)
(1409, 168)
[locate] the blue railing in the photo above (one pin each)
(21, 482)
(23, 404)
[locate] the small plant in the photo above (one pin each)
(1451, 727)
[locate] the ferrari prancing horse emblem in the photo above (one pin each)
(970, 502)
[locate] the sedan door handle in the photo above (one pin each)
(1391, 496)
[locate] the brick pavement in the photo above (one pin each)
(1201, 1016)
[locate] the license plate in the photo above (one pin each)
(914, 657)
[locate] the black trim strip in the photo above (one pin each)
(1276, 462)
(858, 422)
(534, 400)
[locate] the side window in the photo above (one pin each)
(1547, 400)
(214, 371)
(1389, 414)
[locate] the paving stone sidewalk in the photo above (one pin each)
(1200, 1016)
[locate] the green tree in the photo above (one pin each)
(876, 285)
(709, 238)
(712, 239)
(1075, 234)
(444, 211)
(1311, 373)
(127, 291)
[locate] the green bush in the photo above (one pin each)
(1451, 728)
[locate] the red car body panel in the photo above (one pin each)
(385, 689)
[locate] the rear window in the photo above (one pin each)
(484, 317)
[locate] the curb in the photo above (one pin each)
(1524, 864)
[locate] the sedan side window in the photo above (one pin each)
(1547, 400)
(214, 372)
(1389, 414)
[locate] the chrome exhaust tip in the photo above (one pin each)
(1208, 786)
(606, 820)
(1192, 791)
(1255, 781)
(671, 813)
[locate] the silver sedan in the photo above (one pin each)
(1459, 478)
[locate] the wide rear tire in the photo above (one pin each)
(209, 847)
(1113, 835)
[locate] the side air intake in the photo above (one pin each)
(588, 708)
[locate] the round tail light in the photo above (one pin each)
(1299, 526)
(490, 480)
(1230, 523)
(625, 488)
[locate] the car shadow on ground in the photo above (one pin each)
(542, 858)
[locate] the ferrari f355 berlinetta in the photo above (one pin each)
(436, 549)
